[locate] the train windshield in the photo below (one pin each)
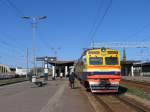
(111, 60)
(96, 61)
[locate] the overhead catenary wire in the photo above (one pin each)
(98, 14)
(100, 21)
(9, 44)
(138, 32)
(19, 13)
(12, 45)
(6, 42)
(142, 40)
(15, 8)
(10, 4)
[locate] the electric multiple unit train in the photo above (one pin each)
(99, 69)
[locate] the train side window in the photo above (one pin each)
(84, 60)
(96, 60)
(111, 60)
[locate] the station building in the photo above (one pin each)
(55, 67)
(135, 68)
(64, 67)
(4, 68)
(22, 71)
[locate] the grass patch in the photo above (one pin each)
(11, 81)
(136, 91)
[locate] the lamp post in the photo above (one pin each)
(34, 26)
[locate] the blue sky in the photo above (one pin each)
(68, 27)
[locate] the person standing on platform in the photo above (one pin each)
(61, 75)
(71, 80)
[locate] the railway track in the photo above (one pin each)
(137, 82)
(117, 103)
(114, 103)
(142, 85)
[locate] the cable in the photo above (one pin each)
(101, 20)
(137, 32)
(96, 18)
(8, 45)
(3, 42)
(12, 40)
(13, 6)
(11, 46)
(10, 4)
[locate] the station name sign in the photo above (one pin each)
(46, 58)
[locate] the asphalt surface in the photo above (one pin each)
(56, 96)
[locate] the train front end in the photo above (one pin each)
(103, 70)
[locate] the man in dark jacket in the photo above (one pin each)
(71, 80)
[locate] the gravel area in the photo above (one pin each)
(137, 78)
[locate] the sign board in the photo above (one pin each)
(46, 58)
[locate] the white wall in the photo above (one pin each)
(22, 71)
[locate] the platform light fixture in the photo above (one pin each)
(34, 24)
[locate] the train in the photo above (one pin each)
(99, 70)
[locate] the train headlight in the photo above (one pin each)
(103, 49)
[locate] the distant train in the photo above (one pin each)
(99, 70)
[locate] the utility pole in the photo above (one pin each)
(16, 59)
(93, 43)
(34, 25)
(0, 59)
(124, 55)
(27, 62)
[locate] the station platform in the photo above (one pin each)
(137, 78)
(56, 96)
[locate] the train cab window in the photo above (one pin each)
(111, 60)
(96, 61)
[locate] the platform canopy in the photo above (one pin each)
(61, 63)
(54, 61)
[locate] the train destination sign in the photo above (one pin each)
(94, 52)
(112, 52)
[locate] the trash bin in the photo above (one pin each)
(33, 78)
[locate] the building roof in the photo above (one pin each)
(129, 62)
(61, 63)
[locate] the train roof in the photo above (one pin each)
(85, 50)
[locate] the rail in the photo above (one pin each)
(137, 82)
(119, 103)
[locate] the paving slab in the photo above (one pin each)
(56, 96)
